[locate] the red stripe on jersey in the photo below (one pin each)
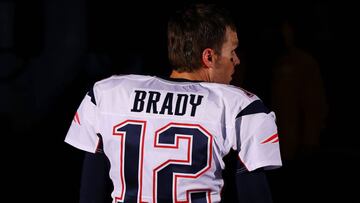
(277, 140)
(77, 118)
(271, 138)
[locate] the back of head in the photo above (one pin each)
(193, 29)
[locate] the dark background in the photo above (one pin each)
(52, 52)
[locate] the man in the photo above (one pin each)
(165, 139)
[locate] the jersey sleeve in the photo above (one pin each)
(257, 137)
(82, 132)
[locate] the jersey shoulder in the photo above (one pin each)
(234, 101)
(232, 93)
(113, 83)
(116, 80)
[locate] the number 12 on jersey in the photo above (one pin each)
(166, 174)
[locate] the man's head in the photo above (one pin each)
(203, 36)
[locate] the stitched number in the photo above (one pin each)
(198, 160)
(196, 143)
(132, 133)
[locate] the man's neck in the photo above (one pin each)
(195, 76)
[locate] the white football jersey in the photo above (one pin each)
(166, 139)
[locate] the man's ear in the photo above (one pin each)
(208, 57)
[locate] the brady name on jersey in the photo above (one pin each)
(156, 102)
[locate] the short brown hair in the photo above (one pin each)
(193, 29)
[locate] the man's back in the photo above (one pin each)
(166, 139)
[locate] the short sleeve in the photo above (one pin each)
(82, 132)
(258, 141)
